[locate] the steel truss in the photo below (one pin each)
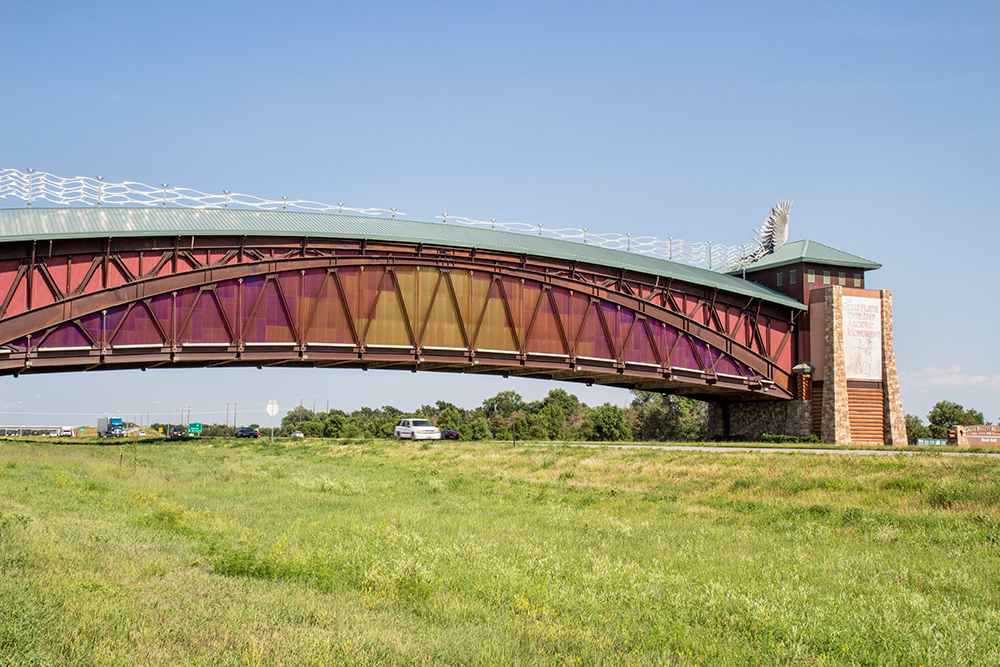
(193, 301)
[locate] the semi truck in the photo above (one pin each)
(110, 426)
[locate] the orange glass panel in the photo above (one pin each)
(495, 333)
(388, 327)
(443, 328)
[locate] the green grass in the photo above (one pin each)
(373, 552)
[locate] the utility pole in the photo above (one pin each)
(234, 415)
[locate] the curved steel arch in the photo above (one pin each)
(204, 301)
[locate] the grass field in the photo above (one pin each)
(376, 552)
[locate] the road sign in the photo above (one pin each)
(194, 427)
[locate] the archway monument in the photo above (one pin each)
(783, 339)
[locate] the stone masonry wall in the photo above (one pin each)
(836, 426)
(748, 421)
(895, 419)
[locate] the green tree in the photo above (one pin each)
(567, 402)
(606, 423)
(505, 403)
(449, 418)
(668, 418)
(498, 426)
(431, 411)
(973, 418)
(477, 429)
(333, 425)
(380, 427)
(351, 429)
(554, 421)
(312, 428)
(530, 426)
(295, 416)
(915, 429)
(215, 430)
(943, 416)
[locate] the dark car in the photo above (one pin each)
(449, 434)
(247, 432)
(178, 432)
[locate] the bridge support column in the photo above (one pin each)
(859, 392)
(895, 418)
(751, 419)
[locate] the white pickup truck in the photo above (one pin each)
(416, 429)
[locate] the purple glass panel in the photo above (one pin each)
(723, 363)
(92, 324)
(114, 317)
(640, 347)
(139, 328)
(291, 287)
(702, 348)
(666, 336)
(161, 307)
(619, 320)
(206, 324)
(269, 324)
(683, 355)
(227, 298)
(68, 335)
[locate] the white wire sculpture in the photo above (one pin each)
(32, 186)
(774, 233)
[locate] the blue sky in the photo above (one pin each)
(881, 121)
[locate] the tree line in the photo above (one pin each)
(558, 416)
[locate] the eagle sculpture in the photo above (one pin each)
(774, 232)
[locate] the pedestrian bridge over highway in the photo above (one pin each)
(90, 288)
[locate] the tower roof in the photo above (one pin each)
(810, 252)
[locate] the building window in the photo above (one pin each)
(791, 277)
(810, 275)
(780, 273)
(826, 277)
(843, 278)
(857, 280)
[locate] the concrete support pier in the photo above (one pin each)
(751, 419)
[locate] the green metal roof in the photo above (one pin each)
(24, 224)
(804, 251)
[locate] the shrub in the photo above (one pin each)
(767, 437)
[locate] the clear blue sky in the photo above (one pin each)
(881, 121)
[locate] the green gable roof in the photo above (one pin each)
(42, 224)
(809, 252)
